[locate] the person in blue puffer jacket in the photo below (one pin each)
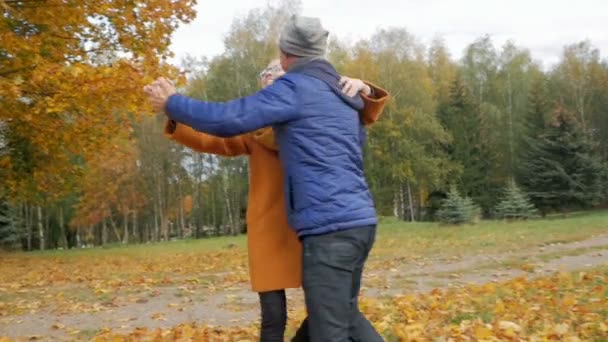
(320, 138)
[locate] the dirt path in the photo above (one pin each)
(169, 306)
(480, 269)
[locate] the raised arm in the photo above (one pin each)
(206, 143)
(274, 104)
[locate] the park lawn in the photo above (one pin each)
(433, 239)
(394, 238)
(75, 280)
(563, 307)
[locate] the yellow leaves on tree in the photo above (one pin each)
(180, 208)
(363, 65)
(187, 203)
(110, 184)
(70, 72)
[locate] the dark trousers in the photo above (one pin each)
(332, 269)
(274, 318)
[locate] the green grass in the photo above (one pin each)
(88, 334)
(575, 252)
(432, 239)
(142, 250)
(202, 263)
(402, 239)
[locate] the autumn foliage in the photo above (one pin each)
(71, 74)
(564, 307)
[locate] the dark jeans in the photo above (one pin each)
(332, 269)
(274, 318)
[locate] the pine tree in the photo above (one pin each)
(515, 204)
(539, 108)
(456, 209)
(470, 146)
(9, 236)
(560, 169)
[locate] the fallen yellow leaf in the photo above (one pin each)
(57, 326)
(482, 333)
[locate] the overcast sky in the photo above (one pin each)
(543, 26)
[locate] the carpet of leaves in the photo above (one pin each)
(564, 307)
(76, 284)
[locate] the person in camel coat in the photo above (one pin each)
(274, 251)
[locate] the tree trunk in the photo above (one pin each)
(104, 232)
(22, 231)
(63, 238)
(214, 218)
(411, 202)
(28, 226)
(40, 228)
(156, 230)
(421, 205)
(78, 239)
(214, 213)
(402, 207)
(199, 214)
(396, 204)
(229, 209)
(182, 220)
(182, 224)
(47, 230)
(115, 228)
(164, 227)
(91, 236)
(236, 214)
(125, 235)
(135, 230)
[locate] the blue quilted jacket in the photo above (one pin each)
(320, 139)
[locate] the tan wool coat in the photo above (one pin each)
(274, 249)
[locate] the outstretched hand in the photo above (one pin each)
(352, 86)
(158, 93)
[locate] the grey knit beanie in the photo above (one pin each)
(304, 37)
